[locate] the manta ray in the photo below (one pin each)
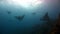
(20, 17)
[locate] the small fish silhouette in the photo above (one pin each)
(34, 13)
(8, 12)
(19, 17)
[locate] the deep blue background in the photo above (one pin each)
(10, 25)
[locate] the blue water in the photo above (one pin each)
(30, 23)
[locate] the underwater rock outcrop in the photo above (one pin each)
(56, 28)
(20, 17)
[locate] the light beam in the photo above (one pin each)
(25, 3)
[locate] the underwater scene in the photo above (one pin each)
(29, 16)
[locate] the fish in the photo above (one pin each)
(34, 13)
(20, 18)
(8, 12)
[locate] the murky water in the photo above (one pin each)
(30, 23)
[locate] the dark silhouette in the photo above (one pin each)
(8, 12)
(33, 13)
(45, 27)
(56, 28)
(19, 17)
(45, 17)
(58, 24)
